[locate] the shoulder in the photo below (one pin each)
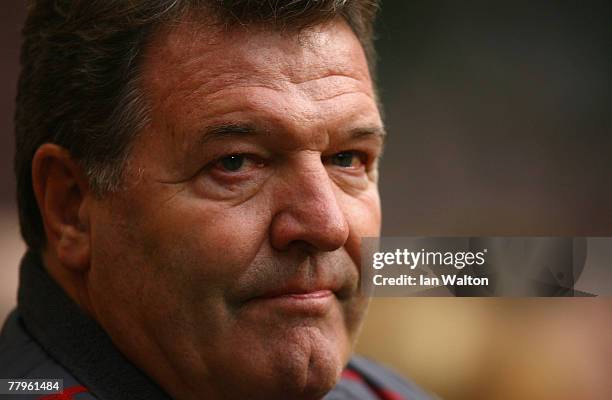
(22, 357)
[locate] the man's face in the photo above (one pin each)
(227, 264)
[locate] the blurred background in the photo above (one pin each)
(500, 122)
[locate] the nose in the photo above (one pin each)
(308, 212)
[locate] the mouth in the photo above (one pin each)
(302, 301)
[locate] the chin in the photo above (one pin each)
(305, 365)
(318, 360)
(310, 383)
(323, 375)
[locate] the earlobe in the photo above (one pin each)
(62, 194)
(73, 248)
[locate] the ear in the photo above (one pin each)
(62, 193)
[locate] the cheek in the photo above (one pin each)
(373, 222)
(364, 218)
(184, 246)
(363, 213)
(166, 271)
(210, 242)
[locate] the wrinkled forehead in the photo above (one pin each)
(198, 50)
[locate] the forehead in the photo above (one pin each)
(195, 57)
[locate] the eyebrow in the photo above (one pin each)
(370, 131)
(229, 130)
(216, 132)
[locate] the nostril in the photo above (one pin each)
(318, 231)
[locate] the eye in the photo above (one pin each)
(348, 159)
(236, 164)
(232, 163)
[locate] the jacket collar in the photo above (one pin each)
(75, 340)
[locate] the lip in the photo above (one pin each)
(318, 294)
(297, 293)
(316, 302)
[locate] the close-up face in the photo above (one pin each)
(227, 264)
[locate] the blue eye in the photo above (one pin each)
(232, 163)
(346, 159)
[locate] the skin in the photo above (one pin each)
(225, 282)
